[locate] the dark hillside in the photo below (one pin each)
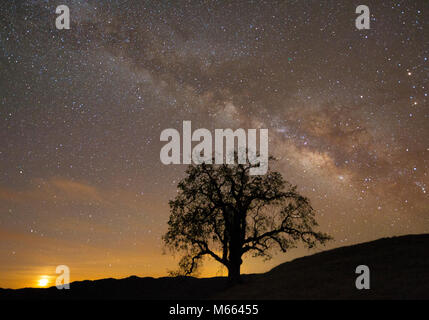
(399, 270)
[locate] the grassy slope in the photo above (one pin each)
(399, 268)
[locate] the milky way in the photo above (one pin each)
(81, 182)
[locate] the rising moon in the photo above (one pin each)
(43, 282)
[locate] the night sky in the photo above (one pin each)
(81, 181)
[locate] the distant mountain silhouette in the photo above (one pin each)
(399, 270)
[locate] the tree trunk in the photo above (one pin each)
(234, 276)
(234, 249)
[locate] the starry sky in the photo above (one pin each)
(81, 112)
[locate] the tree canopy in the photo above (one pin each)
(222, 212)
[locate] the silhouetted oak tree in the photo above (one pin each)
(223, 212)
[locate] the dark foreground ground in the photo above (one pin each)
(399, 270)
